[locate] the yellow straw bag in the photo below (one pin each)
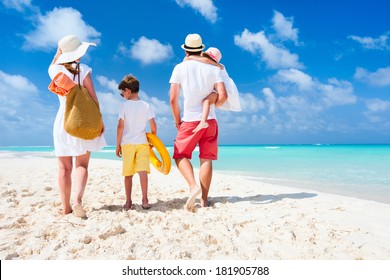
(82, 118)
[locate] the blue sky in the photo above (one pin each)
(307, 71)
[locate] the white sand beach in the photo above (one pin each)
(247, 220)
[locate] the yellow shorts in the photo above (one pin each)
(135, 158)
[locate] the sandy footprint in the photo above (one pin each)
(115, 231)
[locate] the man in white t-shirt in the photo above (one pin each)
(195, 80)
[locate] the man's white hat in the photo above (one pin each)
(193, 43)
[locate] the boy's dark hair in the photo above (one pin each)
(130, 82)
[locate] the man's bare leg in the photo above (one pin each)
(205, 176)
(185, 167)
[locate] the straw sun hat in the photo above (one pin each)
(72, 49)
(193, 43)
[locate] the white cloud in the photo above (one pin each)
(303, 81)
(292, 112)
(377, 105)
(54, 25)
(205, 7)
(250, 103)
(370, 43)
(18, 5)
(337, 93)
(22, 112)
(271, 100)
(111, 85)
(18, 83)
(380, 78)
(377, 112)
(284, 28)
(109, 103)
(160, 107)
(299, 102)
(148, 51)
(274, 57)
(108, 98)
(332, 93)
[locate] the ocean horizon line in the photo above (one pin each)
(232, 145)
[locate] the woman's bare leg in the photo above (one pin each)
(80, 183)
(65, 166)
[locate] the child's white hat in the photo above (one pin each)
(214, 53)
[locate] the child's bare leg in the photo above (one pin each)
(205, 114)
(128, 188)
(143, 177)
(210, 99)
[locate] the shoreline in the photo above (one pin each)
(247, 220)
(343, 189)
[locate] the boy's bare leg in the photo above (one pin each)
(128, 189)
(143, 177)
(210, 99)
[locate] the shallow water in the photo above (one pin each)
(361, 171)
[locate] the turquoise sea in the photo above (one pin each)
(361, 171)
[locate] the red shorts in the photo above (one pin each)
(206, 138)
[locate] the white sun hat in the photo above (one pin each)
(72, 49)
(193, 43)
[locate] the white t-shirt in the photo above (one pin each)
(196, 81)
(136, 114)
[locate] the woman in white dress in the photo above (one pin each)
(70, 50)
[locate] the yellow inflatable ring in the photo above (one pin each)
(164, 166)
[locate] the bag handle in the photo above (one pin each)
(78, 72)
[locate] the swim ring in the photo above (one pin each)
(164, 166)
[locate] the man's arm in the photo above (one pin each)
(222, 94)
(174, 102)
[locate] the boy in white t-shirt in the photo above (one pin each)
(131, 142)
